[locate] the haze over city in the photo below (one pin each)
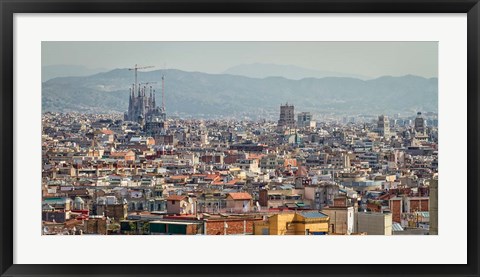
(240, 138)
(202, 78)
(365, 59)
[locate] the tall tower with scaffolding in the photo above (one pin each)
(142, 107)
(163, 93)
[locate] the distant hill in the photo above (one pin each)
(195, 93)
(54, 71)
(264, 70)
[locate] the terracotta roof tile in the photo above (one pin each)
(107, 132)
(240, 196)
(178, 177)
(176, 197)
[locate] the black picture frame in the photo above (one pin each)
(10, 7)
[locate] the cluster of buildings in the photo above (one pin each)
(144, 173)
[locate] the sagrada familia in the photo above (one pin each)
(141, 106)
(143, 109)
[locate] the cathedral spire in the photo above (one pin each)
(153, 100)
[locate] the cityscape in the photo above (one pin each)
(146, 167)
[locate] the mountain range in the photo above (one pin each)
(62, 70)
(202, 94)
(264, 70)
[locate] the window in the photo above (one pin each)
(173, 202)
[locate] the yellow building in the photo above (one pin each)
(298, 223)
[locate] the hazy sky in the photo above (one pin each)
(370, 59)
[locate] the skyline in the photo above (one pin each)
(222, 155)
(382, 58)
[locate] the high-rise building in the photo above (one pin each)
(287, 116)
(383, 126)
(420, 124)
(304, 119)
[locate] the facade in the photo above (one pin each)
(281, 198)
(287, 116)
(375, 223)
(383, 126)
(218, 226)
(250, 165)
(420, 125)
(96, 225)
(180, 204)
(305, 120)
(301, 223)
(271, 162)
(321, 195)
(239, 202)
(55, 216)
(156, 125)
(127, 155)
(115, 211)
(396, 208)
(342, 220)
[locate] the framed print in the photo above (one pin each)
(248, 138)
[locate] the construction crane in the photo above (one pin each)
(136, 68)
